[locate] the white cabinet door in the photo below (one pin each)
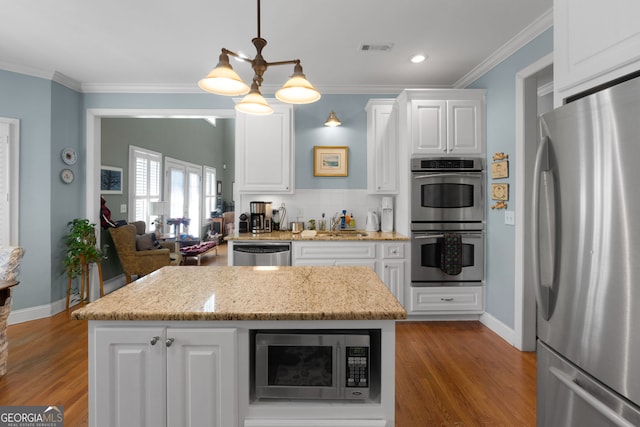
(265, 151)
(129, 378)
(464, 127)
(444, 122)
(201, 381)
(382, 147)
(393, 276)
(594, 42)
(429, 126)
(156, 376)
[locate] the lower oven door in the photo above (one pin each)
(446, 256)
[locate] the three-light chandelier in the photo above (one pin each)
(223, 80)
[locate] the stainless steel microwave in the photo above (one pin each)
(310, 365)
(447, 190)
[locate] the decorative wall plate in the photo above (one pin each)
(69, 156)
(67, 176)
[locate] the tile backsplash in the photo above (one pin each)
(310, 204)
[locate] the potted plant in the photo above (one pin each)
(80, 243)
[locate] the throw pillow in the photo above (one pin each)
(145, 242)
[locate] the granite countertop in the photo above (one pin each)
(249, 293)
(320, 236)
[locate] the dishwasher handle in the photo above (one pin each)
(262, 249)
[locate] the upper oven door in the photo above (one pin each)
(447, 197)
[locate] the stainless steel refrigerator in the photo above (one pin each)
(586, 246)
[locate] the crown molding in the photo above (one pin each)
(67, 81)
(533, 30)
(266, 89)
(28, 71)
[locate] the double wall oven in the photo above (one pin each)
(447, 221)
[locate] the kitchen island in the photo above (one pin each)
(175, 347)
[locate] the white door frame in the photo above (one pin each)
(14, 178)
(524, 334)
(94, 143)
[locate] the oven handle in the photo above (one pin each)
(450, 174)
(441, 236)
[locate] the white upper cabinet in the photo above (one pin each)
(265, 151)
(595, 42)
(382, 147)
(444, 121)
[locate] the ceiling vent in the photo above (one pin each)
(376, 47)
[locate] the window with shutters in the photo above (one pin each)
(145, 168)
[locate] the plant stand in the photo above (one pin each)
(84, 281)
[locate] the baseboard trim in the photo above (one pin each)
(502, 330)
(48, 310)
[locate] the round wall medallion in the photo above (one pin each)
(69, 156)
(67, 176)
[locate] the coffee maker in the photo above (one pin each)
(386, 218)
(260, 220)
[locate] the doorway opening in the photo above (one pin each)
(534, 96)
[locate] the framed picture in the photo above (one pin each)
(110, 180)
(330, 161)
(219, 187)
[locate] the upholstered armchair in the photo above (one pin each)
(142, 254)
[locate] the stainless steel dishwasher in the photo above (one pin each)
(262, 253)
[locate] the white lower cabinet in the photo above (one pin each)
(447, 300)
(386, 258)
(161, 376)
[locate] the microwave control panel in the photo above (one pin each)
(357, 367)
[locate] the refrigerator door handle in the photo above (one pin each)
(542, 292)
(591, 400)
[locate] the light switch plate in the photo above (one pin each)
(510, 217)
(123, 208)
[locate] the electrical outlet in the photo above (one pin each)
(510, 217)
(123, 208)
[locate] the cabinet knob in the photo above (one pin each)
(169, 341)
(154, 340)
(446, 299)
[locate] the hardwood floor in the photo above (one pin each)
(461, 374)
(447, 373)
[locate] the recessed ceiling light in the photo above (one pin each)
(416, 59)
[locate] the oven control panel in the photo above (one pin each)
(357, 367)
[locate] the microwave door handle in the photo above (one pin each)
(542, 292)
(341, 375)
(449, 175)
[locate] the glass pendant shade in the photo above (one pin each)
(223, 80)
(298, 90)
(254, 103)
(332, 120)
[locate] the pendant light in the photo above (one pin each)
(223, 80)
(332, 120)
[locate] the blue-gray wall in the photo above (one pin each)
(500, 83)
